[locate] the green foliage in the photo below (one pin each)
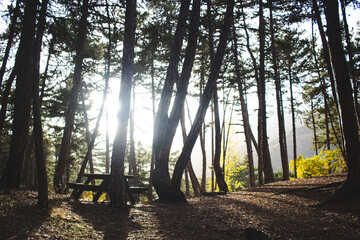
(237, 174)
(236, 170)
(326, 162)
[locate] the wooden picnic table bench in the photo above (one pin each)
(104, 186)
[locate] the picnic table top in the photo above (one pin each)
(103, 175)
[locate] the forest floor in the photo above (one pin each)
(281, 210)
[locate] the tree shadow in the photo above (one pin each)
(20, 215)
(192, 221)
(314, 192)
(113, 223)
(289, 220)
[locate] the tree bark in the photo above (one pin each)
(314, 127)
(107, 78)
(5, 97)
(59, 181)
(279, 102)
(12, 28)
(216, 160)
(199, 118)
(351, 60)
(161, 184)
(161, 171)
(132, 156)
(38, 132)
(263, 154)
(202, 136)
(87, 136)
(194, 181)
(118, 198)
(24, 68)
(91, 140)
(245, 115)
(152, 161)
(328, 64)
(293, 120)
(351, 186)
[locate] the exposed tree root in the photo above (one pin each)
(347, 192)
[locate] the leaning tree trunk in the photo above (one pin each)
(328, 64)
(194, 181)
(20, 129)
(91, 140)
(161, 177)
(162, 186)
(184, 157)
(351, 186)
(59, 183)
(118, 198)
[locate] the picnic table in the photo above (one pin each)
(104, 186)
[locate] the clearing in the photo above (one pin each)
(281, 210)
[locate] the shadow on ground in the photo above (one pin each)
(111, 223)
(20, 215)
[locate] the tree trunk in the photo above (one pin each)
(5, 97)
(279, 102)
(245, 115)
(314, 127)
(132, 157)
(351, 59)
(12, 28)
(91, 140)
(202, 135)
(59, 183)
(118, 198)
(293, 120)
(24, 68)
(328, 64)
(351, 186)
(208, 91)
(152, 162)
(88, 138)
(264, 156)
(194, 181)
(107, 78)
(211, 52)
(212, 148)
(161, 171)
(38, 132)
(216, 162)
(161, 184)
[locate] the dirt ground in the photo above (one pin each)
(282, 210)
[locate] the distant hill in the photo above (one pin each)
(304, 146)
